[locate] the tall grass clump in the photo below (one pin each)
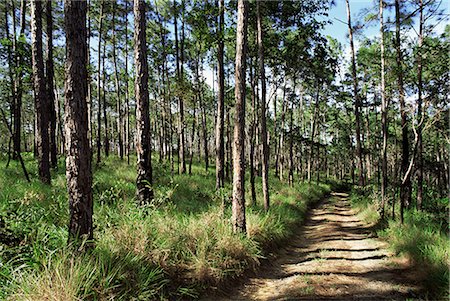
(175, 247)
(423, 237)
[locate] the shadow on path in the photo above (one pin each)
(333, 256)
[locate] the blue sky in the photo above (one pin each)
(339, 30)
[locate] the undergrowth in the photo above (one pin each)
(423, 237)
(176, 247)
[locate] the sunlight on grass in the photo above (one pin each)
(421, 237)
(178, 245)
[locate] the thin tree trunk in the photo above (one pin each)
(357, 101)
(220, 153)
(384, 121)
(291, 145)
(281, 138)
(116, 79)
(275, 125)
(105, 115)
(229, 150)
(405, 188)
(41, 103)
(179, 67)
(252, 135)
(265, 146)
(99, 96)
(238, 204)
(313, 133)
(18, 94)
(11, 71)
(78, 156)
(143, 148)
(127, 96)
(419, 114)
(50, 87)
(204, 130)
(191, 154)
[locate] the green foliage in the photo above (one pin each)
(175, 247)
(421, 237)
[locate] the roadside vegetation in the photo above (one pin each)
(423, 237)
(176, 246)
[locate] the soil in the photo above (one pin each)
(334, 255)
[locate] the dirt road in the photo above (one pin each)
(334, 256)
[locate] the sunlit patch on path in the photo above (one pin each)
(334, 256)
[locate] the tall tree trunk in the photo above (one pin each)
(78, 156)
(238, 204)
(384, 121)
(127, 96)
(88, 62)
(313, 132)
(116, 79)
(419, 114)
(203, 113)
(220, 153)
(181, 160)
(182, 146)
(276, 132)
(405, 188)
(41, 103)
(229, 147)
(11, 71)
(291, 144)
(265, 146)
(143, 147)
(204, 130)
(18, 94)
(99, 95)
(281, 137)
(50, 87)
(105, 114)
(252, 131)
(359, 153)
(192, 146)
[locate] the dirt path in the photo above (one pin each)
(334, 256)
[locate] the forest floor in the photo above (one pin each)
(335, 255)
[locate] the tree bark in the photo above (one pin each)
(359, 153)
(78, 156)
(105, 114)
(143, 147)
(41, 103)
(384, 121)
(11, 67)
(238, 204)
(281, 137)
(229, 147)
(50, 86)
(127, 96)
(265, 146)
(405, 188)
(17, 126)
(116, 79)
(99, 95)
(220, 153)
(252, 130)
(291, 144)
(419, 114)
(181, 140)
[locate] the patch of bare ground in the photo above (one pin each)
(334, 256)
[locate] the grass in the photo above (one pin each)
(177, 247)
(423, 237)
